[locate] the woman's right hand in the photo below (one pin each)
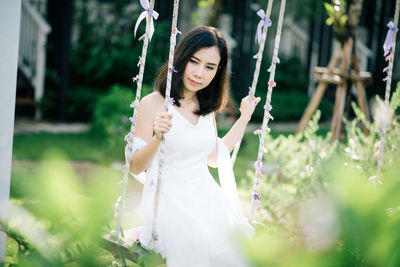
(162, 124)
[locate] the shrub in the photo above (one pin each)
(111, 114)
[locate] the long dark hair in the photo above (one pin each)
(213, 97)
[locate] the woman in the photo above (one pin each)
(195, 219)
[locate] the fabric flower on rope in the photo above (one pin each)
(264, 21)
(169, 101)
(387, 46)
(173, 69)
(268, 107)
(176, 31)
(134, 104)
(257, 132)
(134, 79)
(154, 15)
(272, 83)
(258, 165)
(269, 116)
(276, 60)
(133, 119)
(128, 137)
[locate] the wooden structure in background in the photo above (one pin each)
(343, 77)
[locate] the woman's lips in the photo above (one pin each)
(193, 82)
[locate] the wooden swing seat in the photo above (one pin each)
(129, 248)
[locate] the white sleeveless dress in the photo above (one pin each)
(197, 223)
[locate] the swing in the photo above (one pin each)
(131, 249)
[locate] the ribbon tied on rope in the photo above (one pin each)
(147, 10)
(264, 21)
(387, 46)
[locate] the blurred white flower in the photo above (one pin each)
(318, 221)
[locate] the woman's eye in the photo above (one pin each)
(193, 61)
(210, 68)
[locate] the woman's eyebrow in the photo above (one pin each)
(208, 63)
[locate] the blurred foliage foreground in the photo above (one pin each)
(322, 203)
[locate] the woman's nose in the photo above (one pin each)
(199, 71)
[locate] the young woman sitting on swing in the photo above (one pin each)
(197, 221)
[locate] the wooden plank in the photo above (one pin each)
(312, 106)
(329, 78)
(362, 102)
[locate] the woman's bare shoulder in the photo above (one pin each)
(153, 102)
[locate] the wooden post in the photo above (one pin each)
(341, 90)
(316, 99)
(10, 12)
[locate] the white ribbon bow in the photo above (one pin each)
(387, 46)
(264, 21)
(147, 10)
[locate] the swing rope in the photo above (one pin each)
(392, 31)
(267, 109)
(266, 23)
(168, 101)
(389, 52)
(150, 14)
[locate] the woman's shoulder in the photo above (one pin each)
(152, 102)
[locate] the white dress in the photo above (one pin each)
(197, 221)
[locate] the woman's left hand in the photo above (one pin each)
(247, 106)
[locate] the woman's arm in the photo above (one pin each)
(151, 124)
(247, 107)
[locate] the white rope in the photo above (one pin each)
(259, 57)
(168, 101)
(267, 109)
(120, 204)
(392, 52)
(388, 79)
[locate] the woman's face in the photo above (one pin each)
(201, 69)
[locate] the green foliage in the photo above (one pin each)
(337, 16)
(295, 169)
(354, 223)
(61, 219)
(329, 202)
(111, 115)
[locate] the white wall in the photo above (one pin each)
(10, 11)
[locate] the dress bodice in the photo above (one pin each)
(188, 145)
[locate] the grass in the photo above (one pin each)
(77, 147)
